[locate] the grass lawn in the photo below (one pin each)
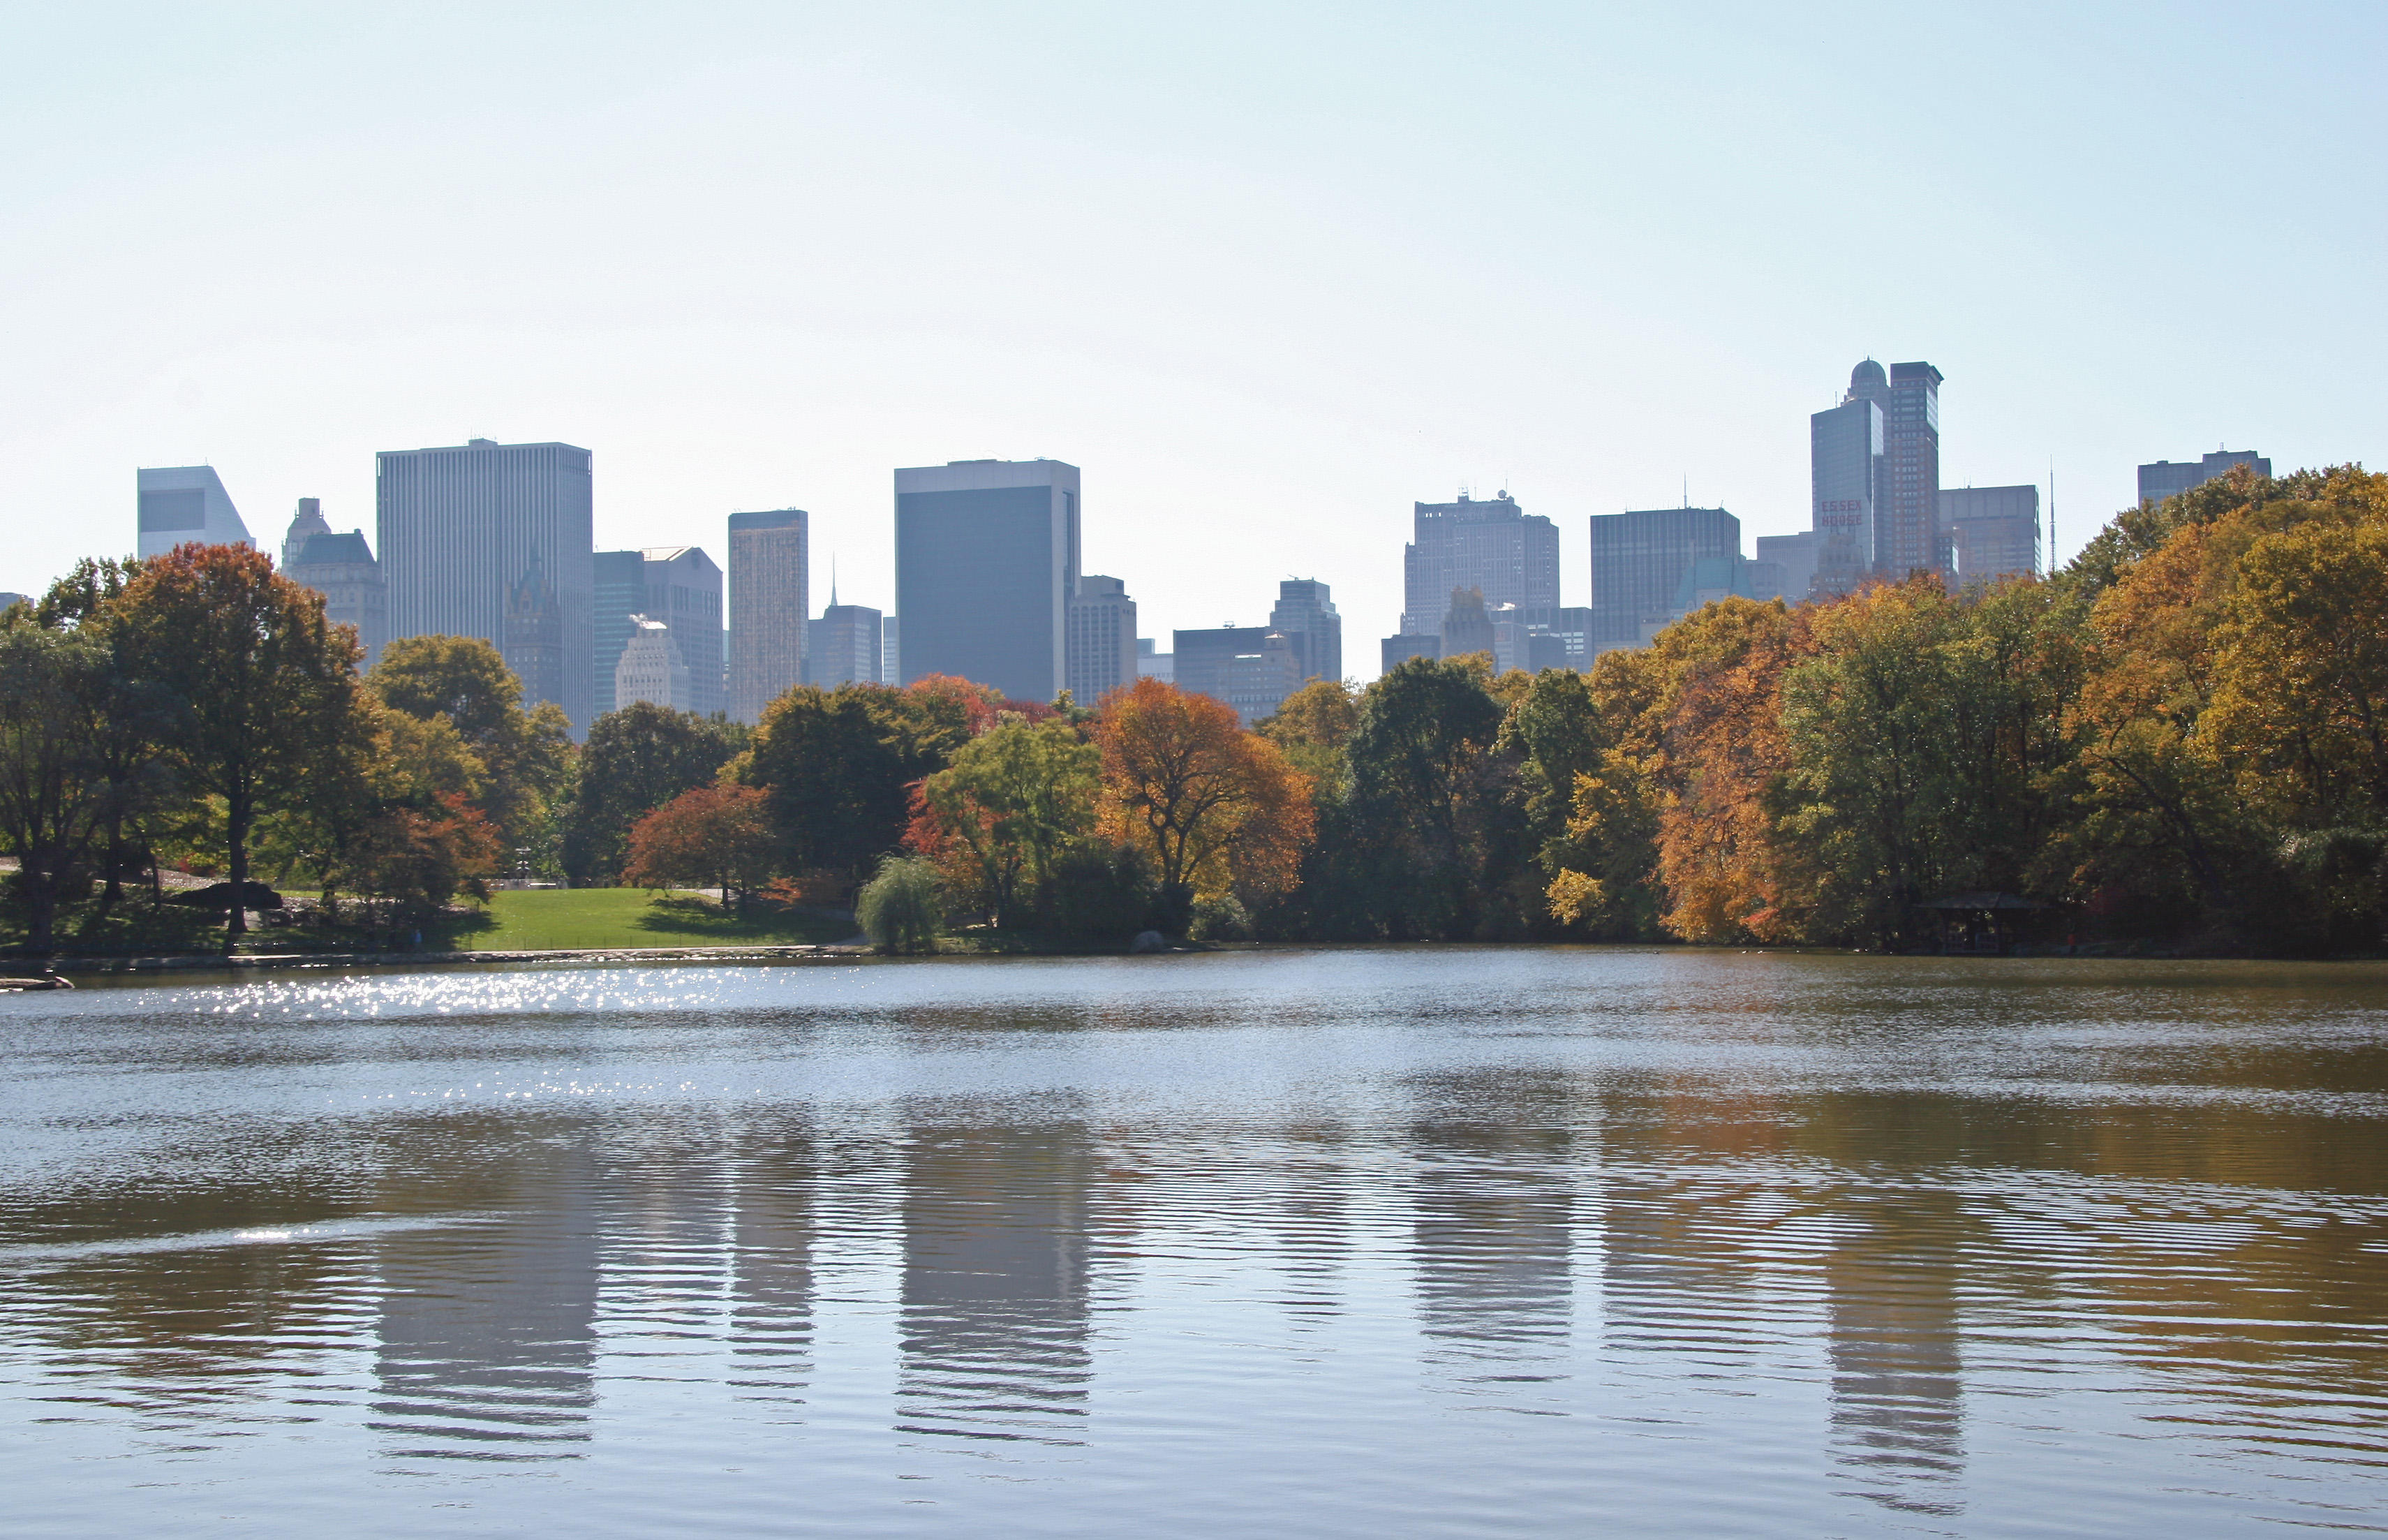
(588, 918)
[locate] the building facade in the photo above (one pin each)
(1912, 537)
(533, 644)
(843, 646)
(770, 566)
(683, 590)
(620, 588)
(986, 560)
(1510, 556)
(182, 504)
(651, 668)
(1251, 668)
(1305, 611)
(1638, 561)
(1993, 531)
(459, 529)
(1103, 639)
(1793, 560)
(341, 568)
(1846, 477)
(2169, 479)
(1152, 663)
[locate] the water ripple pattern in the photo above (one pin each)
(1434, 1241)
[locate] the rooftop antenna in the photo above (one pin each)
(832, 579)
(1687, 491)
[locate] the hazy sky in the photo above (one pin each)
(1267, 273)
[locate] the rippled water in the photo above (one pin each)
(1419, 1242)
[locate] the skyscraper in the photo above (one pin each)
(1638, 562)
(842, 647)
(621, 593)
(533, 644)
(459, 529)
(182, 504)
(986, 558)
(1994, 531)
(2166, 479)
(1306, 613)
(1846, 476)
(684, 592)
(652, 670)
(341, 568)
(769, 578)
(1103, 639)
(1910, 456)
(1510, 556)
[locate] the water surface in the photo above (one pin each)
(1433, 1242)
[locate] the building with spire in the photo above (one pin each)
(341, 568)
(846, 646)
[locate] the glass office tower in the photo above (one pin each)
(986, 560)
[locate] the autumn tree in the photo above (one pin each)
(265, 690)
(1005, 811)
(527, 755)
(1214, 810)
(635, 759)
(712, 837)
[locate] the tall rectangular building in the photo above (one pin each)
(1994, 531)
(620, 588)
(460, 531)
(1305, 611)
(1910, 458)
(768, 603)
(842, 647)
(182, 504)
(1510, 556)
(986, 559)
(1103, 639)
(1845, 478)
(684, 592)
(2168, 479)
(1639, 559)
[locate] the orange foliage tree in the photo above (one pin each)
(713, 836)
(1216, 809)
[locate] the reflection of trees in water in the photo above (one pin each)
(1493, 1210)
(487, 1332)
(995, 1291)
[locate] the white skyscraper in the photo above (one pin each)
(182, 504)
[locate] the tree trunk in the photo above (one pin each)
(236, 828)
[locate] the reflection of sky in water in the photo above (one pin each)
(1414, 1241)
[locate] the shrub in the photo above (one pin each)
(1220, 919)
(900, 908)
(1098, 892)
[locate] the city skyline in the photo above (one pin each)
(1292, 293)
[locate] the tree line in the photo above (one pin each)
(2182, 736)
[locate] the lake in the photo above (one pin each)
(1369, 1242)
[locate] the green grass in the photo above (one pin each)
(592, 918)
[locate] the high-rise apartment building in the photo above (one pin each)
(341, 568)
(1910, 457)
(1251, 668)
(768, 603)
(182, 504)
(1305, 611)
(1510, 556)
(460, 531)
(684, 592)
(986, 560)
(1103, 639)
(1993, 531)
(2166, 478)
(843, 646)
(1639, 559)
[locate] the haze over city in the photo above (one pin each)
(1267, 276)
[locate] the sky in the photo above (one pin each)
(1267, 273)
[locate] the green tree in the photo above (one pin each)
(901, 909)
(1004, 812)
(838, 765)
(636, 760)
(55, 796)
(528, 754)
(267, 689)
(1425, 789)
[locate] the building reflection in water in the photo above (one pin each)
(773, 1233)
(995, 1293)
(1898, 1404)
(487, 1331)
(1493, 1228)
